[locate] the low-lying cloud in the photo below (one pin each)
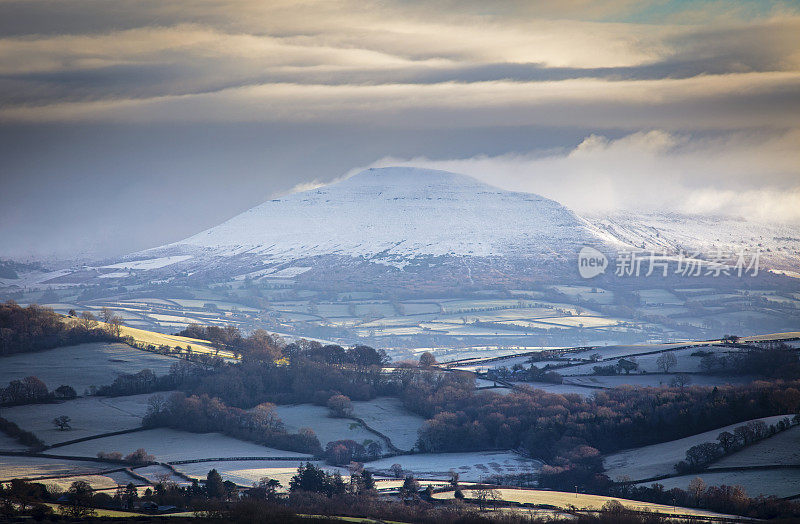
(752, 176)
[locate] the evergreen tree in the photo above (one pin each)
(215, 487)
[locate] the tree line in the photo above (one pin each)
(36, 328)
(732, 500)
(701, 455)
(33, 390)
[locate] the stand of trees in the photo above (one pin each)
(202, 414)
(300, 380)
(701, 455)
(263, 346)
(35, 328)
(770, 361)
(32, 390)
(259, 345)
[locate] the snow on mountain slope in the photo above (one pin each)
(401, 212)
(778, 244)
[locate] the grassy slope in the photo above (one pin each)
(158, 339)
(563, 499)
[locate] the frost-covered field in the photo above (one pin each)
(169, 445)
(777, 482)
(472, 467)
(10, 444)
(686, 363)
(387, 415)
(30, 467)
(81, 366)
(106, 481)
(609, 352)
(559, 389)
(599, 295)
(90, 416)
(326, 428)
(782, 448)
(654, 380)
(247, 472)
(660, 459)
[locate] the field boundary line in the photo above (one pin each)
(93, 437)
(234, 459)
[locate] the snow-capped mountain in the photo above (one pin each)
(393, 213)
(434, 225)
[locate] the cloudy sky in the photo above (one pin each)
(129, 124)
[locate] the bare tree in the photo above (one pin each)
(156, 404)
(667, 361)
(697, 489)
(106, 314)
(62, 423)
(88, 320)
(453, 477)
(680, 381)
(114, 325)
(485, 494)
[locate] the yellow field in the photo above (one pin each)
(563, 499)
(158, 339)
(773, 336)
